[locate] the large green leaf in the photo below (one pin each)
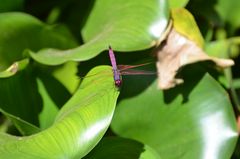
(194, 120)
(121, 148)
(78, 127)
(125, 25)
(20, 31)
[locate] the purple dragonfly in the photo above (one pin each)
(119, 70)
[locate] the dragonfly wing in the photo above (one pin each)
(137, 72)
(125, 67)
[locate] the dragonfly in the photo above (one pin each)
(119, 70)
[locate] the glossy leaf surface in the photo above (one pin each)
(141, 29)
(79, 126)
(194, 120)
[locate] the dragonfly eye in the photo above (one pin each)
(118, 83)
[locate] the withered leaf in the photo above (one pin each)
(177, 52)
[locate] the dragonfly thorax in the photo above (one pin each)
(116, 69)
(117, 77)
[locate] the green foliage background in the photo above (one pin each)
(51, 109)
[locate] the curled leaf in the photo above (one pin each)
(108, 24)
(78, 127)
(12, 69)
(181, 49)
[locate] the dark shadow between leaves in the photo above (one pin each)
(75, 15)
(122, 58)
(58, 93)
(236, 66)
(117, 148)
(134, 85)
(192, 75)
(205, 13)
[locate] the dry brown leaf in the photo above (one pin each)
(177, 52)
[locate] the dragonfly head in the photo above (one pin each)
(118, 82)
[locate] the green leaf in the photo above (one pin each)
(11, 5)
(177, 3)
(185, 24)
(23, 127)
(79, 126)
(16, 66)
(20, 31)
(121, 148)
(225, 48)
(5, 124)
(55, 90)
(236, 83)
(229, 11)
(50, 109)
(19, 96)
(194, 120)
(67, 75)
(32, 101)
(125, 25)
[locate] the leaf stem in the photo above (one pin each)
(233, 92)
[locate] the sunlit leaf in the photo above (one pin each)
(185, 24)
(194, 120)
(49, 110)
(79, 126)
(125, 25)
(67, 75)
